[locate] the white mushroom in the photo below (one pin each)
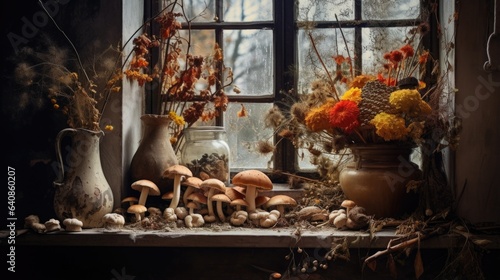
(52, 225)
(238, 217)
(38, 227)
(340, 220)
(30, 220)
(113, 221)
(194, 220)
(181, 212)
(270, 220)
(72, 224)
(169, 215)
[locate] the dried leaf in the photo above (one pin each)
(418, 265)
(372, 264)
(392, 267)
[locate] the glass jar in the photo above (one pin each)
(206, 152)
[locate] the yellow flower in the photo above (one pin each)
(317, 118)
(410, 102)
(109, 127)
(179, 120)
(360, 81)
(353, 94)
(389, 126)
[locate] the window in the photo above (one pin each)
(267, 44)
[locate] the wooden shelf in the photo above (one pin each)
(229, 237)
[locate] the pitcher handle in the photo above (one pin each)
(59, 137)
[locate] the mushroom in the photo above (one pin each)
(280, 201)
(169, 214)
(348, 204)
(30, 220)
(340, 221)
(38, 227)
(113, 221)
(219, 199)
(357, 219)
(146, 187)
(73, 224)
(194, 201)
(191, 183)
(52, 225)
(270, 220)
(194, 220)
(253, 180)
(181, 212)
(238, 217)
(138, 210)
(213, 186)
(238, 203)
(131, 200)
(176, 172)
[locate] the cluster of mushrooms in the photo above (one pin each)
(196, 201)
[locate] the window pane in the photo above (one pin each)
(329, 43)
(245, 132)
(197, 10)
(377, 42)
(248, 10)
(325, 10)
(393, 9)
(250, 54)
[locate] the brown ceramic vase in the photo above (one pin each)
(376, 178)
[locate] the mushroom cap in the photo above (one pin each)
(239, 202)
(114, 219)
(192, 204)
(261, 200)
(348, 203)
(153, 188)
(72, 222)
(281, 199)
(221, 197)
(137, 209)
(253, 177)
(192, 182)
(167, 196)
(197, 197)
(213, 183)
(130, 199)
(233, 194)
(175, 170)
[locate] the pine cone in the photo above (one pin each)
(375, 99)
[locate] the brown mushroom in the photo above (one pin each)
(253, 180)
(146, 187)
(219, 199)
(138, 210)
(177, 172)
(348, 204)
(131, 200)
(191, 184)
(213, 186)
(280, 201)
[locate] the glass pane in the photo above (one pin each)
(329, 43)
(248, 10)
(196, 10)
(250, 54)
(377, 42)
(325, 10)
(244, 133)
(392, 9)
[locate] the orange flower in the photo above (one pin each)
(242, 112)
(339, 59)
(344, 115)
(422, 59)
(407, 50)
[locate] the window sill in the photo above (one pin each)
(225, 236)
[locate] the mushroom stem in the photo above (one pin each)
(144, 196)
(187, 192)
(209, 202)
(177, 192)
(250, 198)
(220, 212)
